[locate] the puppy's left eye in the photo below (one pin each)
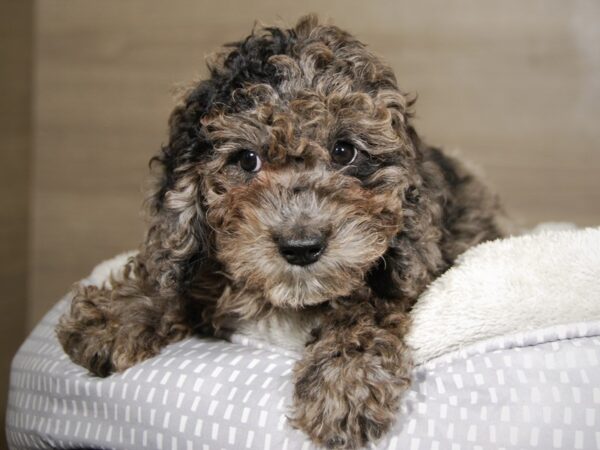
(249, 161)
(343, 153)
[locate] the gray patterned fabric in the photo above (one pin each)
(537, 389)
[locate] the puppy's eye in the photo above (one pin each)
(249, 161)
(343, 153)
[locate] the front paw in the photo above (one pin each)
(102, 337)
(347, 398)
(105, 332)
(85, 331)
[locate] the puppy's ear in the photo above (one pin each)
(413, 256)
(138, 312)
(178, 241)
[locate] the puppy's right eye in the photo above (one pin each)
(343, 153)
(249, 161)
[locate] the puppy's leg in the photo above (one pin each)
(109, 329)
(348, 385)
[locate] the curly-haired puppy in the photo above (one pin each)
(294, 199)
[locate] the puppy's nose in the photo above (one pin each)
(303, 251)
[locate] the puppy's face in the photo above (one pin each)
(303, 187)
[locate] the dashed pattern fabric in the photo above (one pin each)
(537, 389)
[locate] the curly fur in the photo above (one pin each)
(395, 218)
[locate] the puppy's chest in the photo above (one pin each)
(290, 330)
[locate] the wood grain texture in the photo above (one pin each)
(514, 85)
(15, 130)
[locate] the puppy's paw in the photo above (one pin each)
(85, 331)
(106, 332)
(346, 399)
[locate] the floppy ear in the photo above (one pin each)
(111, 327)
(177, 241)
(414, 256)
(446, 210)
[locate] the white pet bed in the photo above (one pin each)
(507, 344)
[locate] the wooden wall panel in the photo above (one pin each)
(15, 128)
(514, 85)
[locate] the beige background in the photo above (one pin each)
(515, 85)
(15, 161)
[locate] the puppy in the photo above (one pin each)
(294, 201)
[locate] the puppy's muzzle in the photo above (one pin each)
(302, 251)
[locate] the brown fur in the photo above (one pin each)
(394, 220)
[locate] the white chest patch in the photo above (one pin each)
(286, 329)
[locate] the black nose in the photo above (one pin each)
(302, 252)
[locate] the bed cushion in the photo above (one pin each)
(522, 383)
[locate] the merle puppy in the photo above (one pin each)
(295, 201)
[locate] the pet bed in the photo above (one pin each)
(507, 347)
